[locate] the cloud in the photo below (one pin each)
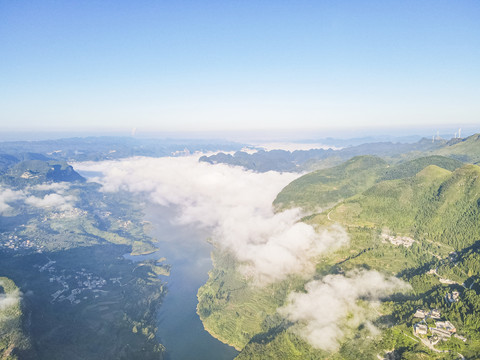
(58, 187)
(331, 305)
(8, 196)
(10, 299)
(236, 204)
(52, 201)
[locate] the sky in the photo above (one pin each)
(178, 66)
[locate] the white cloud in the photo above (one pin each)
(58, 187)
(8, 196)
(235, 203)
(10, 299)
(321, 312)
(57, 201)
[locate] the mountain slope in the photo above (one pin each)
(406, 227)
(435, 204)
(40, 171)
(322, 188)
(466, 150)
(412, 167)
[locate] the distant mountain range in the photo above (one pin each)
(109, 148)
(465, 150)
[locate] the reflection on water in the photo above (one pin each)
(179, 327)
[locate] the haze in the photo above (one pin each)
(230, 66)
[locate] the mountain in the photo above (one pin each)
(111, 147)
(37, 171)
(412, 167)
(418, 220)
(323, 188)
(466, 150)
(435, 204)
(307, 160)
(6, 161)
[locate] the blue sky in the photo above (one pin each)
(238, 65)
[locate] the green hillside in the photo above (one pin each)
(435, 204)
(466, 150)
(326, 187)
(435, 211)
(12, 338)
(412, 167)
(234, 311)
(323, 188)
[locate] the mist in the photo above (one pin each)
(10, 299)
(234, 204)
(52, 196)
(331, 306)
(56, 201)
(7, 197)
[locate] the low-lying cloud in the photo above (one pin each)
(57, 187)
(7, 197)
(10, 299)
(56, 197)
(331, 305)
(56, 201)
(236, 204)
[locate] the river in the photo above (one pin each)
(187, 251)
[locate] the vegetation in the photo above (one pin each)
(412, 167)
(13, 341)
(85, 300)
(307, 160)
(232, 309)
(466, 150)
(323, 188)
(433, 202)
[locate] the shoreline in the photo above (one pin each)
(214, 335)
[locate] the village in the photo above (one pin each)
(16, 243)
(443, 329)
(73, 285)
(398, 240)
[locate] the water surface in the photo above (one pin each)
(188, 253)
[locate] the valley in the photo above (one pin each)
(107, 258)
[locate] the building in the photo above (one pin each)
(435, 314)
(441, 333)
(452, 297)
(446, 325)
(420, 329)
(421, 314)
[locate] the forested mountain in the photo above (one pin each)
(324, 188)
(307, 160)
(463, 150)
(417, 220)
